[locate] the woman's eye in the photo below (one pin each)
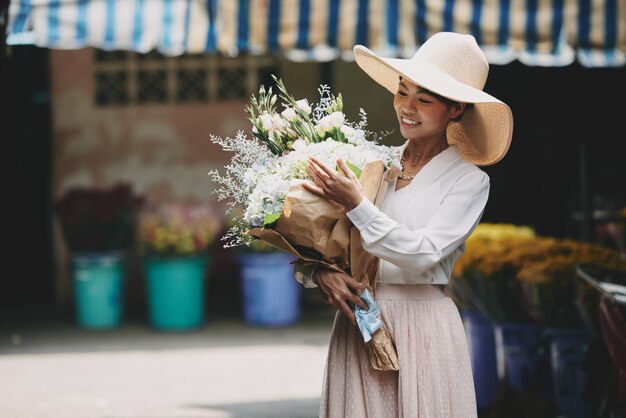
(401, 93)
(422, 100)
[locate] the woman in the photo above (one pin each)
(429, 209)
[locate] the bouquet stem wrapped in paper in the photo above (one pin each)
(279, 211)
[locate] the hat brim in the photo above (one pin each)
(483, 135)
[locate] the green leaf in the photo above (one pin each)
(270, 220)
(356, 170)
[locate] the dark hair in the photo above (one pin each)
(446, 101)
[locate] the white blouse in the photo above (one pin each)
(420, 230)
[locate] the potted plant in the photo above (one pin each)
(175, 239)
(98, 227)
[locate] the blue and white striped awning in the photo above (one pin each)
(535, 32)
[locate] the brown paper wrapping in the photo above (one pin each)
(318, 231)
(382, 351)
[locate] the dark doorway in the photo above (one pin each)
(28, 276)
(566, 161)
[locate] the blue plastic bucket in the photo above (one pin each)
(482, 348)
(568, 348)
(271, 295)
(98, 280)
(523, 358)
(176, 291)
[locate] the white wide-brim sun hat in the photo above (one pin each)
(451, 65)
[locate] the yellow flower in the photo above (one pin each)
(509, 273)
(174, 228)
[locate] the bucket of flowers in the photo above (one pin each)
(568, 308)
(555, 295)
(174, 240)
(485, 288)
(265, 176)
(98, 226)
(270, 297)
(484, 278)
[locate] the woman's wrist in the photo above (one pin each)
(354, 202)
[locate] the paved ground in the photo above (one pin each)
(53, 369)
(50, 368)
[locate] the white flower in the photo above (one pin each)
(349, 132)
(304, 106)
(298, 144)
(266, 122)
(329, 122)
(337, 119)
(278, 124)
(289, 114)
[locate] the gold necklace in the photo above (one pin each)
(427, 158)
(409, 176)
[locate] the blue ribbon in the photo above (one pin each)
(368, 320)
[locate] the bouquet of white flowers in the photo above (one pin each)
(266, 167)
(264, 182)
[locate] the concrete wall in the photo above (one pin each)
(163, 150)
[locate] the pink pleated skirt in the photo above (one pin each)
(435, 376)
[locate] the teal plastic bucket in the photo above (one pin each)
(98, 282)
(271, 294)
(176, 291)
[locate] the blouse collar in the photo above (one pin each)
(438, 165)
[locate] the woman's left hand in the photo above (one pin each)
(342, 188)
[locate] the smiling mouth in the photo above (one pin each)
(409, 121)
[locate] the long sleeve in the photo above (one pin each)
(421, 249)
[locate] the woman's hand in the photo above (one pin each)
(336, 290)
(330, 184)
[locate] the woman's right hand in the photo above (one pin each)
(337, 290)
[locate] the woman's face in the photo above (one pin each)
(421, 115)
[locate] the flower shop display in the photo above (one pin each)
(98, 226)
(568, 307)
(175, 238)
(542, 313)
(266, 172)
(555, 295)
